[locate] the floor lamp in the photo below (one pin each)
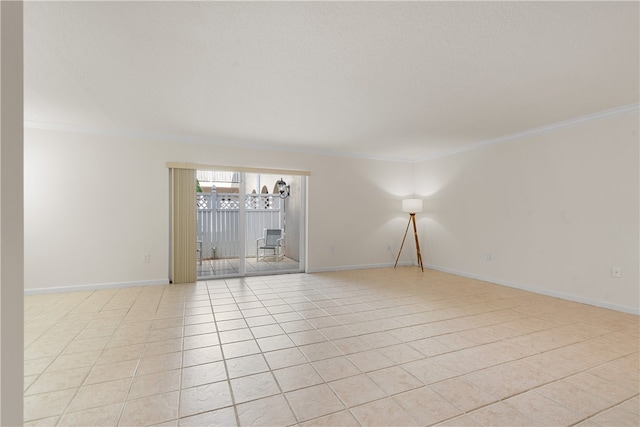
(411, 206)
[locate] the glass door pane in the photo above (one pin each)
(219, 224)
(272, 227)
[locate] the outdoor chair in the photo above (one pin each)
(272, 241)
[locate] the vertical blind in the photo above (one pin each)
(183, 225)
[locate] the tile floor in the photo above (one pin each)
(369, 347)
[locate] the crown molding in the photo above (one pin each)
(614, 112)
(553, 127)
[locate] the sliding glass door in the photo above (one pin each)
(246, 226)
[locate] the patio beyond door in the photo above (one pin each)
(233, 211)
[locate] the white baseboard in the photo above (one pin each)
(570, 297)
(356, 267)
(95, 287)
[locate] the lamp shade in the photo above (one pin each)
(412, 205)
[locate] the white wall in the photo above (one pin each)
(95, 204)
(556, 211)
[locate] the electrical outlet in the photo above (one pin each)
(388, 248)
(332, 249)
(146, 258)
(487, 256)
(616, 271)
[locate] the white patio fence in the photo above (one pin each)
(218, 216)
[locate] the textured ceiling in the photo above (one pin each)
(407, 80)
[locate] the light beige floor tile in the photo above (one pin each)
(606, 389)
(235, 335)
(102, 394)
(95, 332)
(120, 354)
(277, 342)
(267, 330)
(61, 380)
(151, 410)
(287, 317)
(542, 410)
(295, 377)
(508, 379)
(203, 374)
(228, 325)
(553, 363)
(357, 390)
(618, 417)
(238, 349)
(370, 360)
(500, 414)
(461, 421)
(246, 365)
(313, 402)
(632, 405)
(307, 337)
(37, 366)
(204, 398)
(429, 347)
(254, 387)
(426, 406)
(270, 411)
(615, 371)
(46, 404)
(163, 347)
(28, 380)
(102, 416)
(198, 341)
(76, 360)
(161, 362)
(199, 329)
(384, 412)
(261, 321)
(199, 356)
(462, 394)
(433, 325)
(199, 318)
(583, 403)
(401, 353)
(225, 417)
(156, 383)
(337, 332)
(112, 371)
(352, 345)
(336, 368)
(170, 322)
(284, 358)
(394, 380)
(229, 316)
(321, 322)
(428, 371)
(87, 344)
(319, 351)
(342, 419)
(380, 339)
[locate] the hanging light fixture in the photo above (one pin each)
(283, 189)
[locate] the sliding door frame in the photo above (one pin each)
(183, 228)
